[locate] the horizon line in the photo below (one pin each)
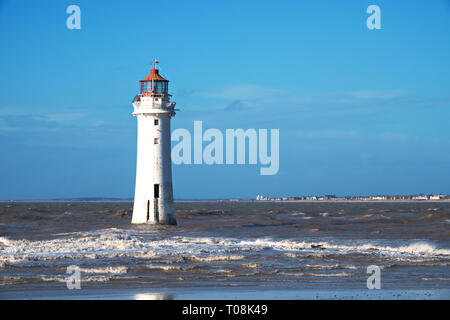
(125, 199)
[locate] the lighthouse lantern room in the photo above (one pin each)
(153, 199)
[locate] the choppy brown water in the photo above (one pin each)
(226, 244)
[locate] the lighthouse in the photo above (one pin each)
(153, 198)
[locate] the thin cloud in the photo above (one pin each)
(376, 95)
(12, 120)
(242, 92)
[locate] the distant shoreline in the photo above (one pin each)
(232, 200)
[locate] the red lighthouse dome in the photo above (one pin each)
(154, 84)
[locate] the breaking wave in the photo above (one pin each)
(130, 243)
(107, 270)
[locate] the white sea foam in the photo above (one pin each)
(109, 243)
(250, 265)
(173, 267)
(434, 279)
(83, 279)
(303, 274)
(330, 267)
(215, 258)
(165, 268)
(107, 270)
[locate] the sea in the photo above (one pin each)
(226, 250)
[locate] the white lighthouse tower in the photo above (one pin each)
(153, 199)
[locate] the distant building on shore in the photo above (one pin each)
(420, 197)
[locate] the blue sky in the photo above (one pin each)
(359, 111)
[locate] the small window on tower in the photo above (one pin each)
(156, 122)
(156, 140)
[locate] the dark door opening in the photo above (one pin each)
(156, 191)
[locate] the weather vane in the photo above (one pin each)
(155, 64)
